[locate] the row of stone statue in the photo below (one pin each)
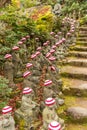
(46, 55)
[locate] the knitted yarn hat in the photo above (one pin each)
(50, 101)
(52, 58)
(39, 48)
(52, 51)
(27, 90)
(28, 65)
(27, 73)
(7, 56)
(48, 54)
(54, 125)
(15, 48)
(20, 43)
(33, 56)
(54, 46)
(52, 68)
(6, 110)
(47, 82)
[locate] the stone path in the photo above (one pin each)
(74, 74)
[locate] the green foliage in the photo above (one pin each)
(45, 22)
(4, 91)
(72, 5)
(28, 3)
(83, 20)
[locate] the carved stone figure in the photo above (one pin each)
(7, 122)
(49, 114)
(16, 60)
(49, 91)
(29, 109)
(57, 9)
(9, 68)
(28, 106)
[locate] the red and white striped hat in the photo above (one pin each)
(52, 33)
(72, 28)
(23, 39)
(48, 54)
(27, 36)
(8, 56)
(52, 51)
(52, 68)
(20, 43)
(27, 90)
(53, 47)
(39, 48)
(58, 43)
(63, 39)
(47, 82)
(15, 48)
(6, 110)
(71, 31)
(27, 73)
(52, 58)
(28, 65)
(50, 101)
(45, 44)
(56, 36)
(48, 42)
(33, 56)
(37, 53)
(54, 125)
(59, 33)
(68, 34)
(37, 39)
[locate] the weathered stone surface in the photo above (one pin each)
(78, 62)
(78, 54)
(77, 113)
(74, 72)
(79, 48)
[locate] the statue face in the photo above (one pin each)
(7, 116)
(51, 107)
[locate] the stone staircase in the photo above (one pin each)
(74, 75)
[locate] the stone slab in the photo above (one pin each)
(77, 113)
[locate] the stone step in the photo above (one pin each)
(78, 114)
(79, 48)
(82, 31)
(83, 35)
(74, 72)
(83, 28)
(78, 54)
(83, 43)
(75, 87)
(77, 62)
(82, 39)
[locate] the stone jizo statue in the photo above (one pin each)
(9, 68)
(29, 107)
(7, 122)
(49, 114)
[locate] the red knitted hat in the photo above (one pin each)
(6, 110)
(27, 90)
(50, 101)
(54, 126)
